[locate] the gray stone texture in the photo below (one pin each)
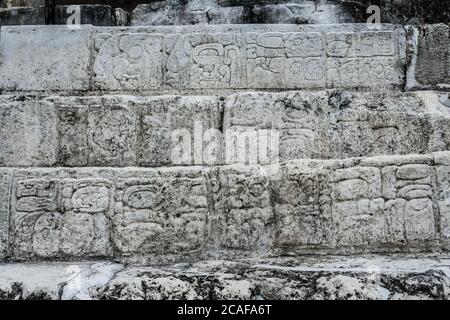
(176, 12)
(202, 59)
(432, 63)
(120, 131)
(5, 185)
(96, 15)
(149, 216)
(308, 278)
(60, 59)
(233, 12)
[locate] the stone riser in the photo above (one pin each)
(202, 58)
(384, 204)
(141, 131)
(227, 57)
(306, 278)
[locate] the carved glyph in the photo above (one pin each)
(247, 58)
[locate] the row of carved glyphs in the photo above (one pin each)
(53, 218)
(262, 60)
(358, 206)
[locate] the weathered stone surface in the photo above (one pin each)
(102, 130)
(96, 15)
(253, 57)
(362, 277)
(76, 213)
(339, 124)
(122, 131)
(429, 66)
(381, 204)
(5, 180)
(160, 215)
(358, 205)
(60, 214)
(242, 215)
(233, 12)
(173, 12)
(202, 58)
(28, 132)
(60, 59)
(54, 281)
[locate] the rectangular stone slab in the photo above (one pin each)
(40, 58)
(359, 205)
(333, 125)
(429, 55)
(101, 130)
(248, 57)
(211, 58)
(4, 210)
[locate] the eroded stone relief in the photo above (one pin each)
(384, 204)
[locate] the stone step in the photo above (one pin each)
(118, 130)
(202, 59)
(361, 205)
(361, 277)
(211, 58)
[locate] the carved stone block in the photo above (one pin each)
(243, 218)
(5, 181)
(160, 215)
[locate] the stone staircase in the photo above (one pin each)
(225, 161)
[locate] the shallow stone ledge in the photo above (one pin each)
(97, 15)
(164, 215)
(361, 277)
(211, 58)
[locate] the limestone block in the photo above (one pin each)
(248, 57)
(81, 213)
(246, 128)
(60, 214)
(28, 133)
(122, 131)
(160, 215)
(442, 160)
(243, 218)
(97, 15)
(60, 58)
(5, 180)
(349, 206)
